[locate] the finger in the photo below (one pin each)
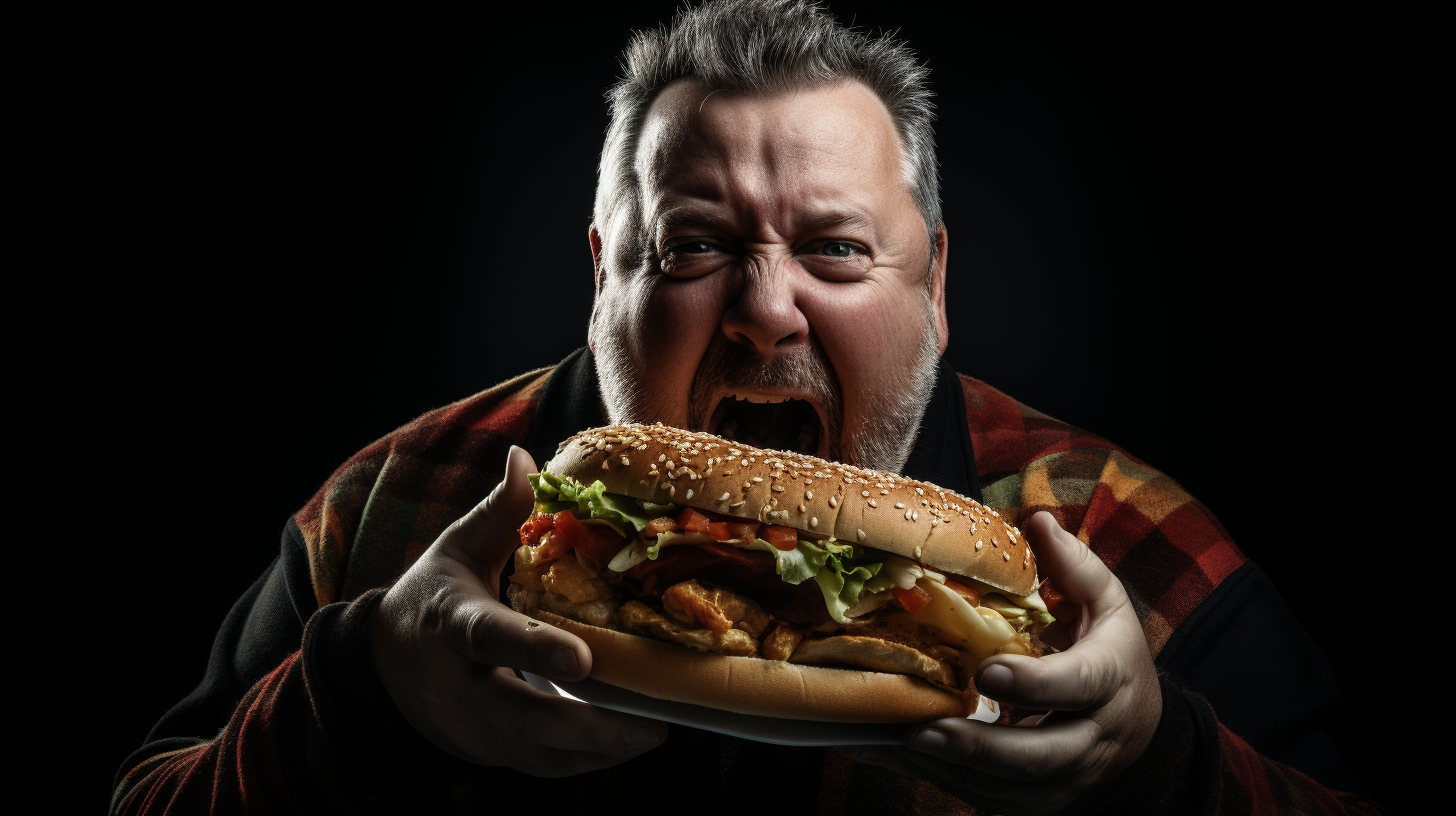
(1081, 678)
(1005, 752)
(1073, 568)
(488, 533)
(485, 631)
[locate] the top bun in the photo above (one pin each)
(937, 527)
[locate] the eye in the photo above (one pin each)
(837, 249)
(692, 257)
(689, 247)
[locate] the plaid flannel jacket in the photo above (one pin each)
(288, 744)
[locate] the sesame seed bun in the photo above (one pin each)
(918, 520)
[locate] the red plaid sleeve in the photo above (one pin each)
(1170, 553)
(381, 509)
(1166, 548)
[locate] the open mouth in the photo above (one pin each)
(767, 421)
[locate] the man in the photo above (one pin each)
(767, 225)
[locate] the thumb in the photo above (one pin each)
(488, 533)
(1073, 568)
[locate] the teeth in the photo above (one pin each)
(760, 398)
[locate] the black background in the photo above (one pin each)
(305, 231)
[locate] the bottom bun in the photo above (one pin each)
(753, 685)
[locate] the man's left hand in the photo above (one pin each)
(1102, 694)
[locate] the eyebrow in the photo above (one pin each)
(686, 215)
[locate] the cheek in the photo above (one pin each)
(869, 331)
(679, 321)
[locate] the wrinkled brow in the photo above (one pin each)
(688, 217)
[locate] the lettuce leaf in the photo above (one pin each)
(794, 566)
(828, 562)
(556, 493)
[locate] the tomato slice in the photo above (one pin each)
(569, 528)
(913, 599)
(719, 530)
(746, 530)
(692, 521)
(784, 538)
(1057, 604)
(536, 526)
(972, 597)
(600, 545)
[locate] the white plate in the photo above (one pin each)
(762, 729)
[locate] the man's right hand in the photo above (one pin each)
(444, 646)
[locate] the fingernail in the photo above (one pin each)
(640, 736)
(564, 659)
(928, 740)
(995, 680)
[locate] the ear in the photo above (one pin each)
(937, 289)
(597, 275)
(596, 250)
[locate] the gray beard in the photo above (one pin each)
(881, 441)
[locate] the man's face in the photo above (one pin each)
(779, 295)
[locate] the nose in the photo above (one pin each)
(765, 316)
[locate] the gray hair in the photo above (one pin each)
(764, 47)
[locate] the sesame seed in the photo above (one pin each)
(662, 456)
(915, 515)
(917, 554)
(872, 503)
(919, 492)
(884, 492)
(809, 495)
(778, 488)
(803, 509)
(672, 490)
(865, 493)
(757, 479)
(1006, 555)
(907, 515)
(813, 521)
(934, 522)
(723, 497)
(738, 503)
(979, 544)
(861, 535)
(606, 463)
(833, 502)
(626, 461)
(899, 505)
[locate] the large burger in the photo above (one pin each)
(706, 571)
